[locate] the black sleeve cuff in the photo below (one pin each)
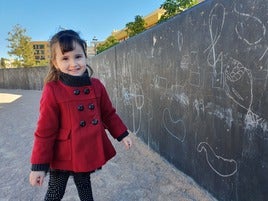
(125, 134)
(40, 167)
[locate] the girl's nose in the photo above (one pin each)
(73, 63)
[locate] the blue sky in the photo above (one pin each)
(43, 18)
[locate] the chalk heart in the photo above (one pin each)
(175, 127)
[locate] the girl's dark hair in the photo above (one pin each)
(66, 40)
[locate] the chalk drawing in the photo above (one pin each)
(237, 77)
(134, 97)
(132, 92)
(182, 98)
(137, 93)
(185, 60)
(264, 53)
(174, 127)
(216, 22)
(153, 46)
(239, 88)
(160, 83)
(156, 49)
(222, 166)
(225, 114)
(198, 105)
(183, 73)
(254, 121)
(261, 67)
(180, 40)
(249, 29)
(194, 70)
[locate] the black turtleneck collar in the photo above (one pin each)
(75, 81)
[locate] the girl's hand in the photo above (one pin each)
(37, 178)
(127, 142)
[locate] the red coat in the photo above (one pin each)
(70, 132)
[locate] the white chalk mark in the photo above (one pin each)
(175, 128)
(238, 76)
(216, 22)
(243, 28)
(222, 166)
(180, 40)
(263, 54)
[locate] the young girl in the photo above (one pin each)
(75, 110)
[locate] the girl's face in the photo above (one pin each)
(72, 62)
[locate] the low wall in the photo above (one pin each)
(195, 90)
(23, 78)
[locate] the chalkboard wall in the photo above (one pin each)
(194, 88)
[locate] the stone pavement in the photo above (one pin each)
(138, 174)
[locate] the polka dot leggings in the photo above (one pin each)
(58, 181)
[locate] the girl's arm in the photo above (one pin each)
(47, 128)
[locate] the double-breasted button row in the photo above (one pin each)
(93, 122)
(77, 91)
(90, 106)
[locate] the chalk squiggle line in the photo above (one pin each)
(204, 146)
(256, 20)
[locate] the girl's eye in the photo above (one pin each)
(65, 58)
(78, 56)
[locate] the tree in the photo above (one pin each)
(132, 29)
(174, 7)
(109, 42)
(43, 63)
(3, 63)
(20, 47)
(136, 27)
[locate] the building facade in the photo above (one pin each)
(150, 20)
(41, 51)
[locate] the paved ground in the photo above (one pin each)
(135, 175)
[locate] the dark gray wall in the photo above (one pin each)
(195, 90)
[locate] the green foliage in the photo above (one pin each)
(42, 63)
(174, 7)
(3, 63)
(17, 63)
(109, 42)
(136, 27)
(20, 47)
(132, 28)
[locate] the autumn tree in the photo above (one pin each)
(136, 27)
(2, 63)
(20, 47)
(174, 7)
